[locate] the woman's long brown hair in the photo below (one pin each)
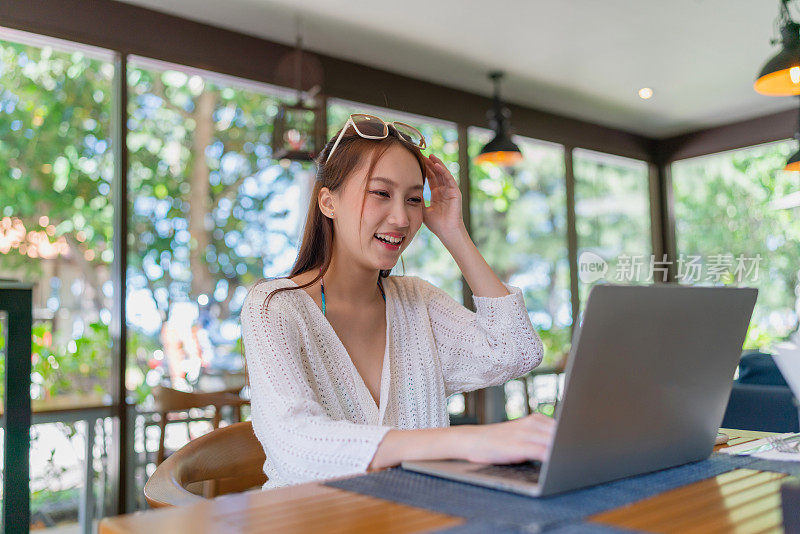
(316, 248)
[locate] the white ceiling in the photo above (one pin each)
(581, 58)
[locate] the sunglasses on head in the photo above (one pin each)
(372, 127)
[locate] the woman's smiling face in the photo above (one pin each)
(392, 209)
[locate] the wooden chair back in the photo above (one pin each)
(168, 400)
(231, 458)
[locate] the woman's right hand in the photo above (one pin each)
(526, 438)
(520, 440)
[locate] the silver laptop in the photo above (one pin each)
(647, 383)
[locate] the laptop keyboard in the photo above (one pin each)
(525, 471)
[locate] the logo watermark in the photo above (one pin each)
(689, 268)
(591, 267)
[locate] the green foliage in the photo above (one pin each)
(140, 354)
(556, 342)
(78, 365)
(612, 215)
(47, 486)
(57, 159)
(519, 224)
(42, 498)
(723, 206)
(81, 364)
(57, 169)
(194, 143)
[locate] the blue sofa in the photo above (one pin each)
(761, 400)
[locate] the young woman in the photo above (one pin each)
(350, 368)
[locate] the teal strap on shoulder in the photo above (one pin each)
(322, 291)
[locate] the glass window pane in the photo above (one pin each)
(425, 256)
(612, 219)
(56, 213)
(735, 219)
(59, 474)
(519, 222)
(210, 213)
(56, 232)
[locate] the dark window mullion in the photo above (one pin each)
(17, 300)
(120, 437)
(572, 236)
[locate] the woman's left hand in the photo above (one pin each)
(443, 214)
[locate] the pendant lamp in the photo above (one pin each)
(501, 150)
(793, 163)
(299, 129)
(781, 75)
(792, 200)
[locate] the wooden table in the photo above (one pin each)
(743, 500)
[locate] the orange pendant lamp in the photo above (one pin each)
(793, 164)
(501, 150)
(781, 75)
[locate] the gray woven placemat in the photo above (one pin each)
(508, 512)
(482, 527)
(790, 468)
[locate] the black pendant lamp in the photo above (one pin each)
(793, 163)
(792, 200)
(781, 75)
(299, 129)
(501, 150)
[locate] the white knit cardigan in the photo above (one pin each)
(311, 410)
